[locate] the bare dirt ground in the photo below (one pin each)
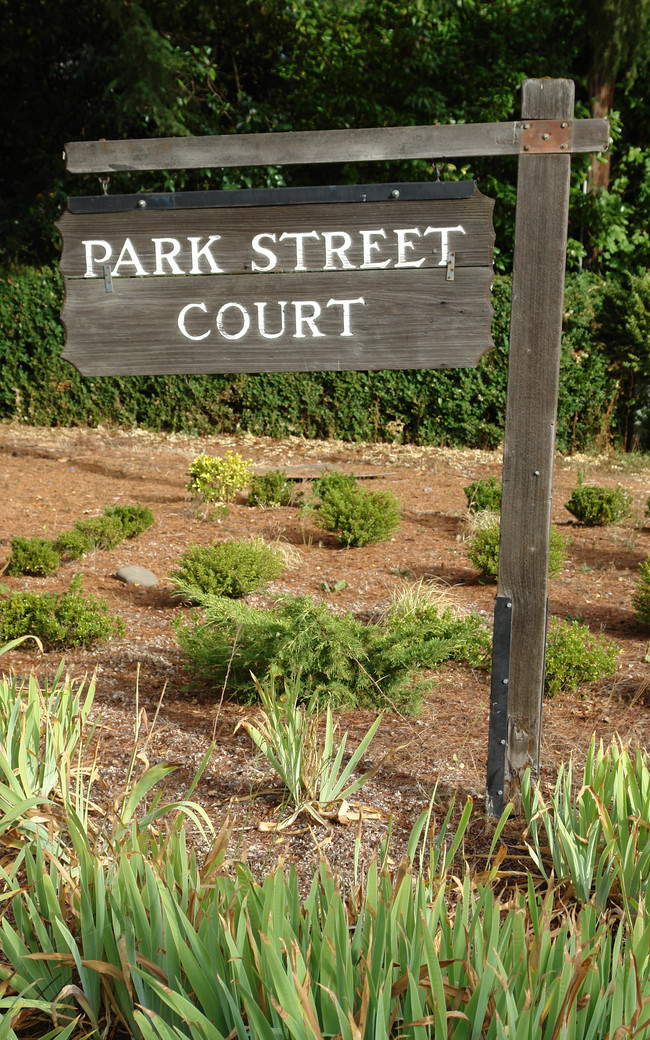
(52, 477)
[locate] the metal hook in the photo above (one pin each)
(438, 167)
(104, 183)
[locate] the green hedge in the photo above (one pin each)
(463, 407)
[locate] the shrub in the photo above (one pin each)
(73, 544)
(103, 532)
(337, 657)
(232, 568)
(597, 506)
(36, 556)
(574, 657)
(483, 547)
(484, 494)
(641, 594)
(134, 519)
(216, 479)
(273, 489)
(59, 621)
(358, 516)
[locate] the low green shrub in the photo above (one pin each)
(273, 489)
(232, 568)
(641, 594)
(217, 479)
(574, 656)
(596, 506)
(357, 515)
(103, 532)
(337, 657)
(484, 494)
(73, 544)
(134, 518)
(483, 548)
(58, 621)
(37, 556)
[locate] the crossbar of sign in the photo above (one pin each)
(309, 287)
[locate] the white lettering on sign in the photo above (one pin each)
(362, 249)
(444, 232)
(182, 316)
(128, 258)
(272, 258)
(99, 260)
(234, 321)
(162, 256)
(370, 247)
(203, 252)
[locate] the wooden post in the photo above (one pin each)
(529, 447)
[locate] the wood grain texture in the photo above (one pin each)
(316, 146)
(237, 228)
(408, 319)
(531, 410)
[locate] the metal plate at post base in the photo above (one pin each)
(498, 706)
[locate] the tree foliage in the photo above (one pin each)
(142, 68)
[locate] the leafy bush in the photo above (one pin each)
(36, 556)
(336, 656)
(358, 516)
(217, 479)
(273, 489)
(483, 548)
(597, 506)
(641, 594)
(73, 544)
(59, 621)
(574, 657)
(103, 532)
(134, 519)
(484, 494)
(232, 568)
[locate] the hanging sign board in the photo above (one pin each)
(352, 278)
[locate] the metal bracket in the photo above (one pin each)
(108, 281)
(451, 267)
(545, 136)
(498, 734)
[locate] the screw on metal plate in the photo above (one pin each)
(142, 203)
(395, 193)
(108, 281)
(451, 267)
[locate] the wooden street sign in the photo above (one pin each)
(397, 277)
(162, 284)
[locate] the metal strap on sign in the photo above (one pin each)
(409, 192)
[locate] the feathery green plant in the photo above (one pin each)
(357, 515)
(574, 656)
(597, 506)
(37, 556)
(232, 568)
(338, 658)
(58, 621)
(273, 489)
